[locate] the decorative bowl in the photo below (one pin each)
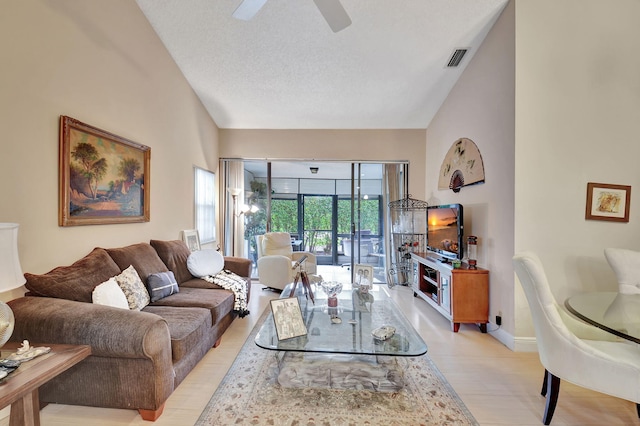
(331, 288)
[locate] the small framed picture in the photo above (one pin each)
(608, 202)
(363, 274)
(287, 317)
(191, 239)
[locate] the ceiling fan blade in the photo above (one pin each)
(334, 14)
(247, 9)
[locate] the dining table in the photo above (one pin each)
(614, 312)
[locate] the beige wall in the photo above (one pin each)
(481, 107)
(371, 145)
(556, 111)
(101, 63)
(577, 121)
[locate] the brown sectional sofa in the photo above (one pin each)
(138, 357)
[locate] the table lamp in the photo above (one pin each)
(10, 275)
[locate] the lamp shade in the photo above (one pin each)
(10, 271)
(234, 191)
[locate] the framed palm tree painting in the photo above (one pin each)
(103, 178)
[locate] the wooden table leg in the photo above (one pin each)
(26, 411)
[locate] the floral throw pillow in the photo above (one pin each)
(132, 286)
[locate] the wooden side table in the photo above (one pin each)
(20, 388)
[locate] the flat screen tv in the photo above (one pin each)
(445, 230)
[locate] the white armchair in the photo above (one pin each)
(276, 258)
(571, 350)
(626, 264)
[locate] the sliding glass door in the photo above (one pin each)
(337, 210)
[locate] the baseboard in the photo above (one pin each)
(516, 344)
(502, 336)
(526, 344)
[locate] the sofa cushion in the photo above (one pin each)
(132, 287)
(199, 283)
(174, 254)
(187, 327)
(109, 293)
(142, 256)
(74, 282)
(218, 302)
(203, 263)
(161, 284)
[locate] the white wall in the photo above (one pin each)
(481, 107)
(381, 145)
(577, 121)
(101, 63)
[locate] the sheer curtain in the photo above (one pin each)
(233, 184)
(395, 183)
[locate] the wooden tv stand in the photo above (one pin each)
(461, 295)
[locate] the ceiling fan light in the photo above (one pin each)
(334, 14)
(247, 9)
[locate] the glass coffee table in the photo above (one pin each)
(339, 349)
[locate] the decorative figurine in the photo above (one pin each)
(26, 352)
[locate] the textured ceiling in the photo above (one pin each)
(286, 69)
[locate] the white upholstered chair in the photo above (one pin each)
(626, 264)
(574, 351)
(276, 258)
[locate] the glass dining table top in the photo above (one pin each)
(346, 328)
(611, 311)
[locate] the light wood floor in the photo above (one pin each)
(498, 386)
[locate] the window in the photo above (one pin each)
(205, 205)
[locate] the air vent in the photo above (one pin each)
(456, 57)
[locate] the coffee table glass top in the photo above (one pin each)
(359, 315)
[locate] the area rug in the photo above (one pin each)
(249, 394)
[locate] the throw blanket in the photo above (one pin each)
(238, 285)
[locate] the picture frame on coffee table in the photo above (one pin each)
(102, 178)
(287, 318)
(363, 274)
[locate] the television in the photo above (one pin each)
(445, 231)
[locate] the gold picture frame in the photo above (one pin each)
(287, 318)
(103, 178)
(608, 202)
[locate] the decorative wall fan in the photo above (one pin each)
(462, 166)
(332, 10)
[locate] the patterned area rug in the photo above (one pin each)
(250, 395)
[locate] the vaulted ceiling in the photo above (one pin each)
(286, 69)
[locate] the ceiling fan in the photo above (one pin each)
(332, 10)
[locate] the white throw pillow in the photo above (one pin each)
(206, 262)
(109, 293)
